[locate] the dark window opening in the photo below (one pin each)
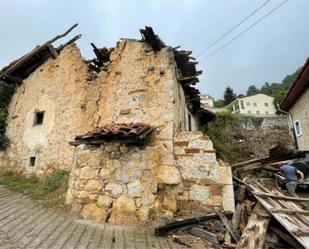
(242, 104)
(189, 122)
(38, 119)
(32, 161)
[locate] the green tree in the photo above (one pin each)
(229, 95)
(219, 103)
(279, 96)
(252, 90)
(266, 89)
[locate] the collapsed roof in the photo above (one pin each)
(20, 69)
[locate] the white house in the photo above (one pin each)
(255, 105)
(207, 101)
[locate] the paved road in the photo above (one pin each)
(26, 224)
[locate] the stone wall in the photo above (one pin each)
(121, 183)
(206, 183)
(55, 88)
(114, 182)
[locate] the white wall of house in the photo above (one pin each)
(300, 114)
(256, 105)
(207, 101)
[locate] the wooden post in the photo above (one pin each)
(255, 232)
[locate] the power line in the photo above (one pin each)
(231, 30)
(247, 29)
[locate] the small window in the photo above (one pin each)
(297, 128)
(248, 103)
(189, 122)
(38, 118)
(32, 161)
(266, 112)
(266, 104)
(242, 104)
(254, 104)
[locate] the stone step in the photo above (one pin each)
(85, 239)
(64, 236)
(15, 223)
(26, 224)
(12, 202)
(46, 232)
(96, 238)
(47, 243)
(129, 238)
(108, 237)
(13, 213)
(140, 239)
(118, 238)
(32, 225)
(76, 236)
(35, 213)
(34, 233)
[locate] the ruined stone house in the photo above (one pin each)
(126, 125)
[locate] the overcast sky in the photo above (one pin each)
(275, 47)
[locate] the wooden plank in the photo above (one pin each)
(289, 239)
(288, 211)
(290, 222)
(165, 229)
(255, 232)
(52, 50)
(283, 197)
(237, 216)
(225, 222)
(36, 50)
(204, 234)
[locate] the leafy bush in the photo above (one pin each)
(226, 132)
(55, 180)
(3, 139)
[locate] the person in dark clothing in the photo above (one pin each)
(291, 175)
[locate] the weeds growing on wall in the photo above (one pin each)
(226, 133)
(55, 180)
(6, 93)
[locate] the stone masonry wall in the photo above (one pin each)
(56, 88)
(121, 183)
(206, 183)
(114, 183)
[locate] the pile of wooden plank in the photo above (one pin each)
(264, 217)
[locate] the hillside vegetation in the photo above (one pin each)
(276, 90)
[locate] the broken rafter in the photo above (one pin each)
(164, 230)
(150, 37)
(255, 233)
(36, 50)
(225, 222)
(10, 78)
(288, 198)
(74, 39)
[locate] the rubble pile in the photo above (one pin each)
(265, 216)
